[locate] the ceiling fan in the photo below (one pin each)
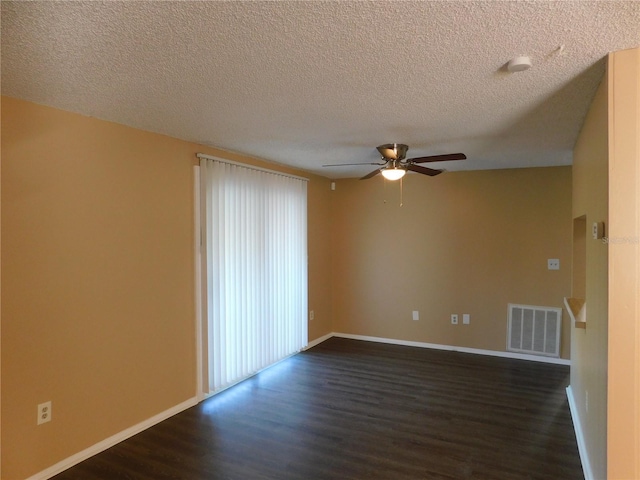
(394, 164)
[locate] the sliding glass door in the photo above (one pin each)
(254, 264)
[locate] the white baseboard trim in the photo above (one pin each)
(111, 441)
(451, 348)
(577, 427)
(318, 341)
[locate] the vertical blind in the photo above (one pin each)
(255, 259)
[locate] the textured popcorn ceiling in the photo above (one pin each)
(309, 83)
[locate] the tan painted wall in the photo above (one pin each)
(589, 346)
(319, 251)
(98, 290)
(98, 306)
(606, 355)
(623, 409)
(463, 242)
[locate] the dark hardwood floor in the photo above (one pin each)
(348, 409)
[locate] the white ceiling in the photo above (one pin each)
(310, 83)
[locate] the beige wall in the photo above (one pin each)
(462, 242)
(98, 290)
(623, 409)
(97, 312)
(319, 251)
(606, 355)
(589, 346)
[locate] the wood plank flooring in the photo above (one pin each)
(349, 409)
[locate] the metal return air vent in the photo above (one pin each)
(534, 330)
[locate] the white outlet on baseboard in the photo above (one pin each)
(44, 412)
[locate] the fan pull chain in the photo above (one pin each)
(384, 182)
(401, 191)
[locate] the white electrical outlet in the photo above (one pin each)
(416, 315)
(312, 315)
(553, 264)
(466, 319)
(44, 412)
(454, 319)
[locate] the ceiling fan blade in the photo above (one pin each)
(372, 174)
(438, 158)
(424, 170)
(349, 164)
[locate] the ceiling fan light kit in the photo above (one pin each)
(393, 173)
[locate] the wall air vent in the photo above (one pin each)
(534, 330)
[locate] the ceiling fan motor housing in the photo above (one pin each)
(393, 151)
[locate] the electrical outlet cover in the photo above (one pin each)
(553, 264)
(44, 413)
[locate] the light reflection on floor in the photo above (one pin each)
(235, 394)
